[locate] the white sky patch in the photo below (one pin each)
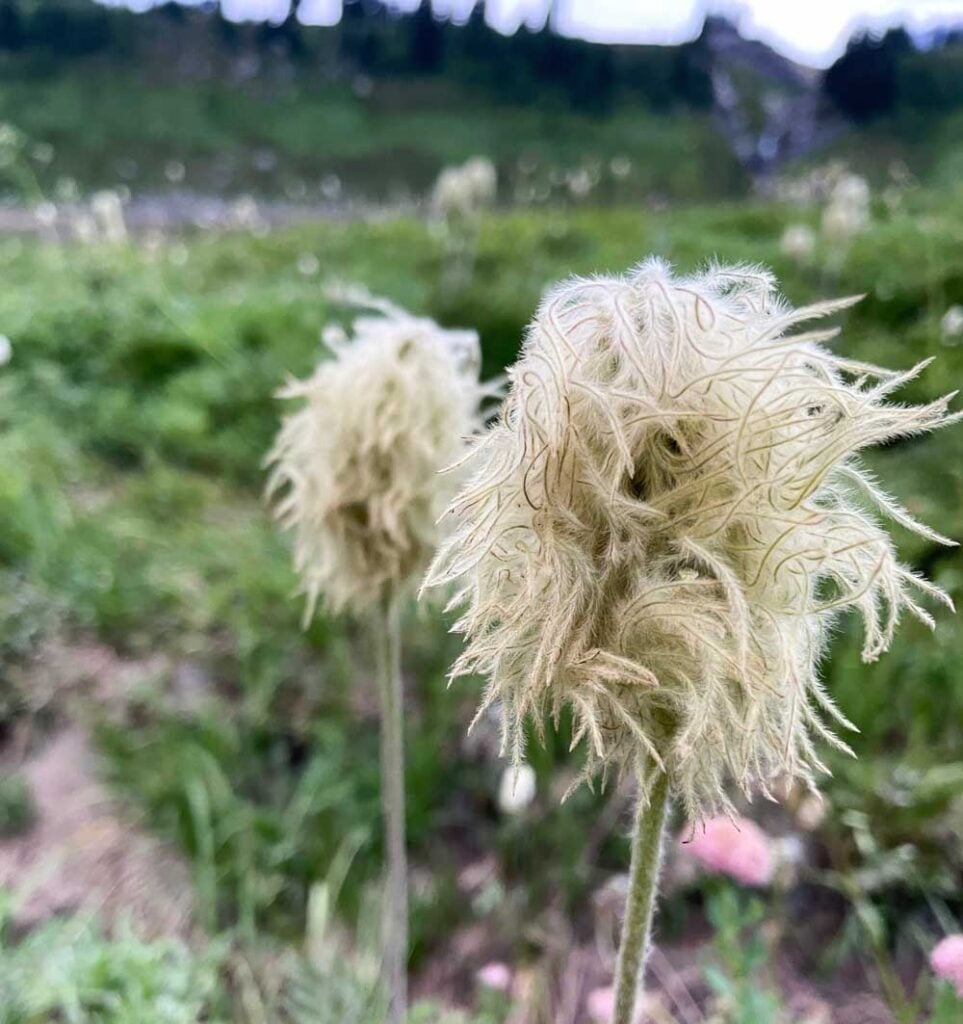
(810, 31)
(814, 31)
(255, 10)
(320, 12)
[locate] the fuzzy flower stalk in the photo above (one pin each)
(459, 198)
(660, 531)
(355, 474)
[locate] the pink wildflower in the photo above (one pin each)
(495, 975)
(600, 1004)
(739, 849)
(946, 959)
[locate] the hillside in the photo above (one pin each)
(179, 100)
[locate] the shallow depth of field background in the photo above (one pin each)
(189, 809)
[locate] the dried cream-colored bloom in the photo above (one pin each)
(666, 520)
(358, 466)
(517, 788)
(951, 324)
(107, 210)
(847, 213)
(466, 190)
(798, 242)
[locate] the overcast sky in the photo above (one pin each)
(812, 31)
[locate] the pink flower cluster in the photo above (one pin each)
(496, 976)
(600, 1005)
(946, 959)
(739, 849)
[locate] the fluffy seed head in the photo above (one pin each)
(951, 324)
(847, 213)
(798, 242)
(107, 210)
(357, 469)
(667, 518)
(466, 190)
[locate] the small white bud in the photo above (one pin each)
(516, 789)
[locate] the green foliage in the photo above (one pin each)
(17, 811)
(737, 974)
(68, 970)
(109, 126)
(262, 814)
(948, 1007)
(136, 409)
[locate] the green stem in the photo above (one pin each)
(395, 934)
(640, 901)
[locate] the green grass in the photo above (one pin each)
(68, 970)
(135, 413)
(109, 125)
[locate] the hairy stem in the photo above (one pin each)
(395, 934)
(640, 901)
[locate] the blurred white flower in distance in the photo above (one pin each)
(952, 324)
(847, 214)
(107, 209)
(798, 242)
(517, 788)
(466, 190)
(356, 471)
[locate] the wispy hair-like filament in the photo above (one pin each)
(666, 520)
(356, 472)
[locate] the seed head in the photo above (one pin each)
(847, 214)
(466, 190)
(667, 518)
(356, 471)
(798, 242)
(107, 211)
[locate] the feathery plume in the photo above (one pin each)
(847, 214)
(798, 242)
(951, 325)
(107, 212)
(356, 471)
(667, 519)
(466, 190)
(357, 475)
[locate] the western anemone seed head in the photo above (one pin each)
(847, 213)
(951, 324)
(107, 211)
(666, 520)
(465, 190)
(798, 242)
(357, 468)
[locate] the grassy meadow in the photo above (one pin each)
(136, 410)
(307, 141)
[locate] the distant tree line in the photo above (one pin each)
(879, 75)
(376, 40)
